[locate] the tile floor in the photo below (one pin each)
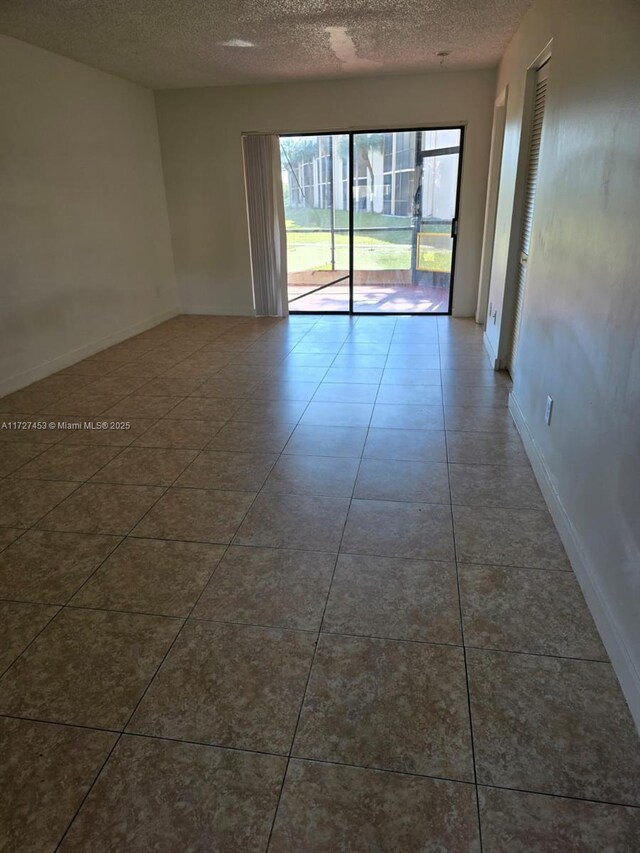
(309, 600)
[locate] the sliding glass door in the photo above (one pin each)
(372, 220)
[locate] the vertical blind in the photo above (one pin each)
(267, 234)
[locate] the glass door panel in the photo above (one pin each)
(315, 178)
(404, 220)
(436, 211)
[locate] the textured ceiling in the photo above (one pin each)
(177, 43)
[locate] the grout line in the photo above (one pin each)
(461, 617)
(311, 760)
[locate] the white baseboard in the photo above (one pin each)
(605, 620)
(495, 361)
(40, 371)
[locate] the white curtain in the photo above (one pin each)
(267, 234)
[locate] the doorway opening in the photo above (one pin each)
(530, 187)
(372, 220)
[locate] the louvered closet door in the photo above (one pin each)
(542, 76)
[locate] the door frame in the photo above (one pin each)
(483, 315)
(351, 134)
(506, 308)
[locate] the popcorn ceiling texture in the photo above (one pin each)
(178, 43)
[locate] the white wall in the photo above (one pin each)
(580, 334)
(200, 132)
(85, 252)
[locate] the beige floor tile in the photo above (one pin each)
(414, 348)
(118, 433)
(475, 377)
(87, 370)
(225, 389)
(270, 411)
(407, 416)
(346, 392)
(197, 515)
(15, 454)
(278, 389)
(8, 535)
(527, 610)
(49, 567)
(23, 502)
(102, 508)
(398, 599)
(313, 475)
(169, 386)
(19, 624)
(353, 360)
(245, 373)
(83, 403)
(309, 522)
(230, 685)
(268, 586)
(313, 440)
(146, 466)
(251, 438)
(479, 419)
(27, 401)
(137, 370)
(510, 486)
(357, 375)
(485, 448)
(45, 774)
(410, 376)
(214, 469)
(174, 433)
(406, 444)
(329, 807)
(337, 414)
(212, 799)
(517, 822)
(405, 361)
(151, 576)
(88, 667)
(476, 395)
(552, 725)
(398, 480)
(119, 386)
(60, 385)
(214, 410)
(417, 531)
(67, 462)
(508, 537)
(411, 395)
(387, 705)
(142, 406)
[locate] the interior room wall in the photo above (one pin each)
(580, 334)
(200, 133)
(85, 255)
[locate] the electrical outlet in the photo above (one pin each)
(548, 410)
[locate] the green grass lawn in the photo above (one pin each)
(311, 249)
